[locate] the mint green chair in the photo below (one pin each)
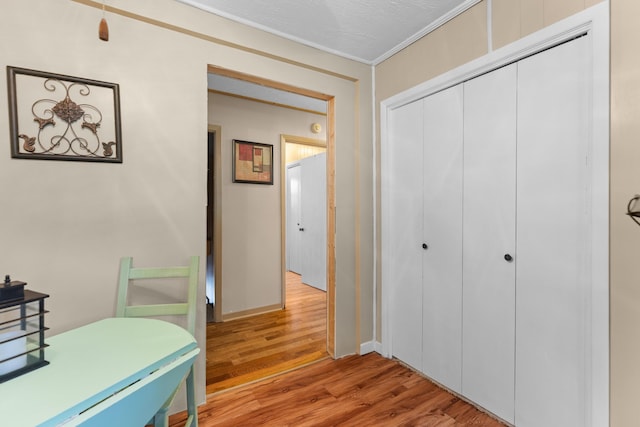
(129, 275)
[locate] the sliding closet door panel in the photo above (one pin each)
(489, 241)
(405, 239)
(553, 217)
(442, 268)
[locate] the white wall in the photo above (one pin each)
(251, 229)
(65, 224)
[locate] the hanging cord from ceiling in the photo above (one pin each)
(103, 28)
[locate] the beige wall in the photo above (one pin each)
(66, 224)
(625, 235)
(459, 41)
(515, 19)
(251, 231)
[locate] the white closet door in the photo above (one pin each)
(405, 238)
(489, 241)
(293, 218)
(442, 259)
(553, 217)
(314, 221)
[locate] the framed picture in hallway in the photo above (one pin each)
(59, 117)
(252, 162)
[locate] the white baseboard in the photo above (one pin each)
(370, 346)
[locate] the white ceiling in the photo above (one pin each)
(367, 31)
(264, 93)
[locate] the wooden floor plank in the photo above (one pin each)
(246, 386)
(354, 391)
(245, 350)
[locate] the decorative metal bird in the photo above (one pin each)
(107, 148)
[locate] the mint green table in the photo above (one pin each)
(114, 372)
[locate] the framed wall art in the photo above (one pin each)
(252, 162)
(58, 117)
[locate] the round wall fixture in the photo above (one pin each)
(316, 128)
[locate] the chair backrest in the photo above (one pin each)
(130, 274)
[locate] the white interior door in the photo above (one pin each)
(488, 346)
(404, 242)
(314, 221)
(553, 275)
(293, 219)
(442, 233)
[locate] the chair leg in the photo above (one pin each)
(192, 408)
(161, 419)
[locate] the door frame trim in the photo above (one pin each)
(331, 187)
(217, 220)
(595, 22)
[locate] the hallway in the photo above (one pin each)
(244, 350)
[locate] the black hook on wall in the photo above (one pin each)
(634, 214)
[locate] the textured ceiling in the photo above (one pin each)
(367, 31)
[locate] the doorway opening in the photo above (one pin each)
(305, 209)
(328, 307)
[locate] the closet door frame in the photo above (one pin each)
(593, 22)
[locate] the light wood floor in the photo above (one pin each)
(353, 391)
(244, 350)
(244, 358)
